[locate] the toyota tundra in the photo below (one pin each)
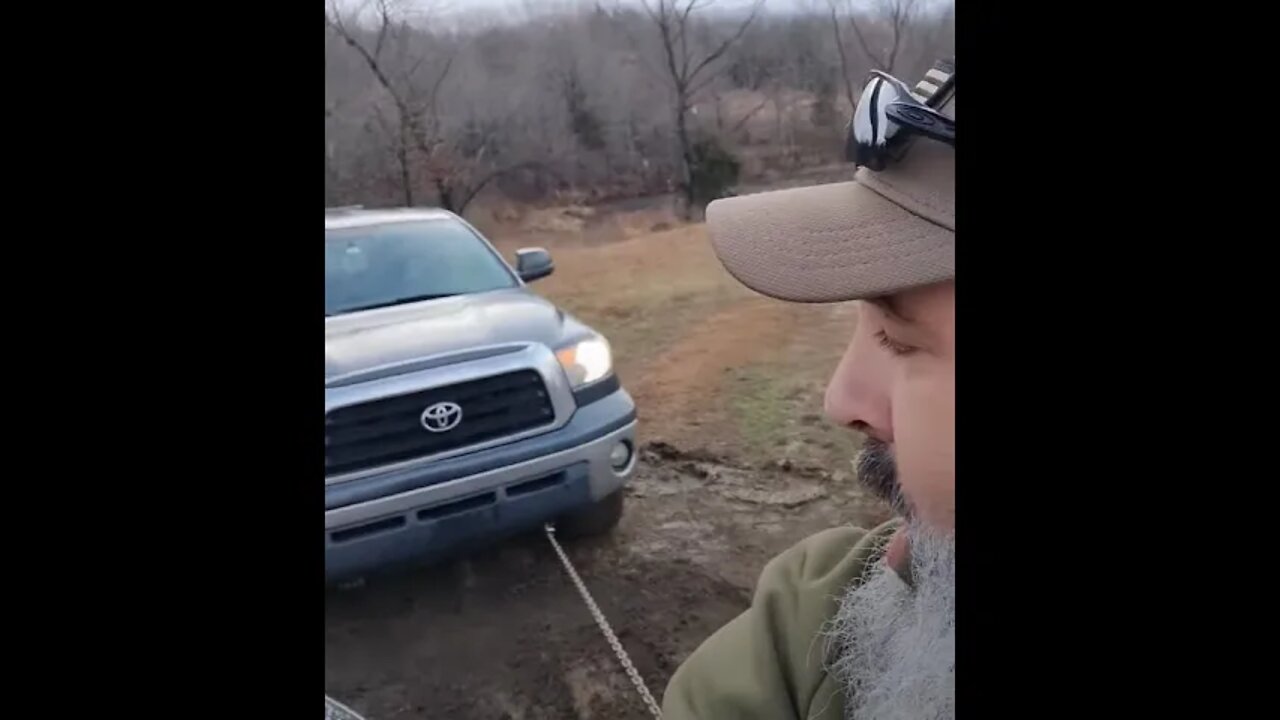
(460, 407)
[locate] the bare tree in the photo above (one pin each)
(457, 156)
(688, 71)
(844, 59)
(417, 121)
(610, 102)
(895, 16)
(881, 34)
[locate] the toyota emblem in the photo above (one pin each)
(442, 417)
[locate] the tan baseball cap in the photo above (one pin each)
(879, 233)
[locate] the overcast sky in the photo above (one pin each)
(520, 5)
(514, 9)
(485, 12)
(771, 5)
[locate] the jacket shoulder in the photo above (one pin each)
(770, 661)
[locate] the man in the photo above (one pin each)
(848, 623)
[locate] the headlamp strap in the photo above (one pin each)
(937, 85)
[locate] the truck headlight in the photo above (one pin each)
(586, 362)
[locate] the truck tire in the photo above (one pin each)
(596, 519)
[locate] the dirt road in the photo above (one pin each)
(737, 466)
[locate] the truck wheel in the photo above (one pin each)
(596, 519)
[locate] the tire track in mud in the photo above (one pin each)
(674, 390)
(503, 634)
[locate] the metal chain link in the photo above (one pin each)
(604, 626)
(334, 710)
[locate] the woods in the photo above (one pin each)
(602, 100)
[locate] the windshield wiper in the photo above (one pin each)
(399, 301)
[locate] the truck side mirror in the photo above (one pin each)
(533, 264)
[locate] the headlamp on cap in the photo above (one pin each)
(889, 113)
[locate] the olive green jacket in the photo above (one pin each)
(769, 662)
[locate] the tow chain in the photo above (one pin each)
(334, 710)
(604, 626)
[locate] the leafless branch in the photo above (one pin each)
(500, 172)
(898, 15)
(668, 46)
(433, 99)
(866, 48)
(384, 14)
(334, 20)
(687, 76)
(750, 114)
(724, 46)
(844, 60)
(698, 87)
(654, 15)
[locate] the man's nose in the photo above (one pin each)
(858, 394)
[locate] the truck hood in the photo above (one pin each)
(365, 340)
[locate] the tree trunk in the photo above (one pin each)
(446, 195)
(844, 62)
(686, 157)
(777, 116)
(406, 177)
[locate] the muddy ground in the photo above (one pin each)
(737, 465)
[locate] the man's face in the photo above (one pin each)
(896, 636)
(896, 382)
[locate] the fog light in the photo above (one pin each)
(620, 455)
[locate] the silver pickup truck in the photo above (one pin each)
(459, 406)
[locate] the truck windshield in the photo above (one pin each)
(397, 263)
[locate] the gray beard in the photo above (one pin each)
(894, 645)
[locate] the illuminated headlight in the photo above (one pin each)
(586, 362)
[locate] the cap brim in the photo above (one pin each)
(828, 243)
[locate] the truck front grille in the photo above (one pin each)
(390, 430)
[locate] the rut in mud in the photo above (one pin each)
(503, 634)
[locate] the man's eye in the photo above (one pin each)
(892, 345)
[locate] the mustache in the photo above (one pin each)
(878, 472)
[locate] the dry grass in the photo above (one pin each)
(711, 364)
(642, 293)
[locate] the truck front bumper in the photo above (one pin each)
(430, 512)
